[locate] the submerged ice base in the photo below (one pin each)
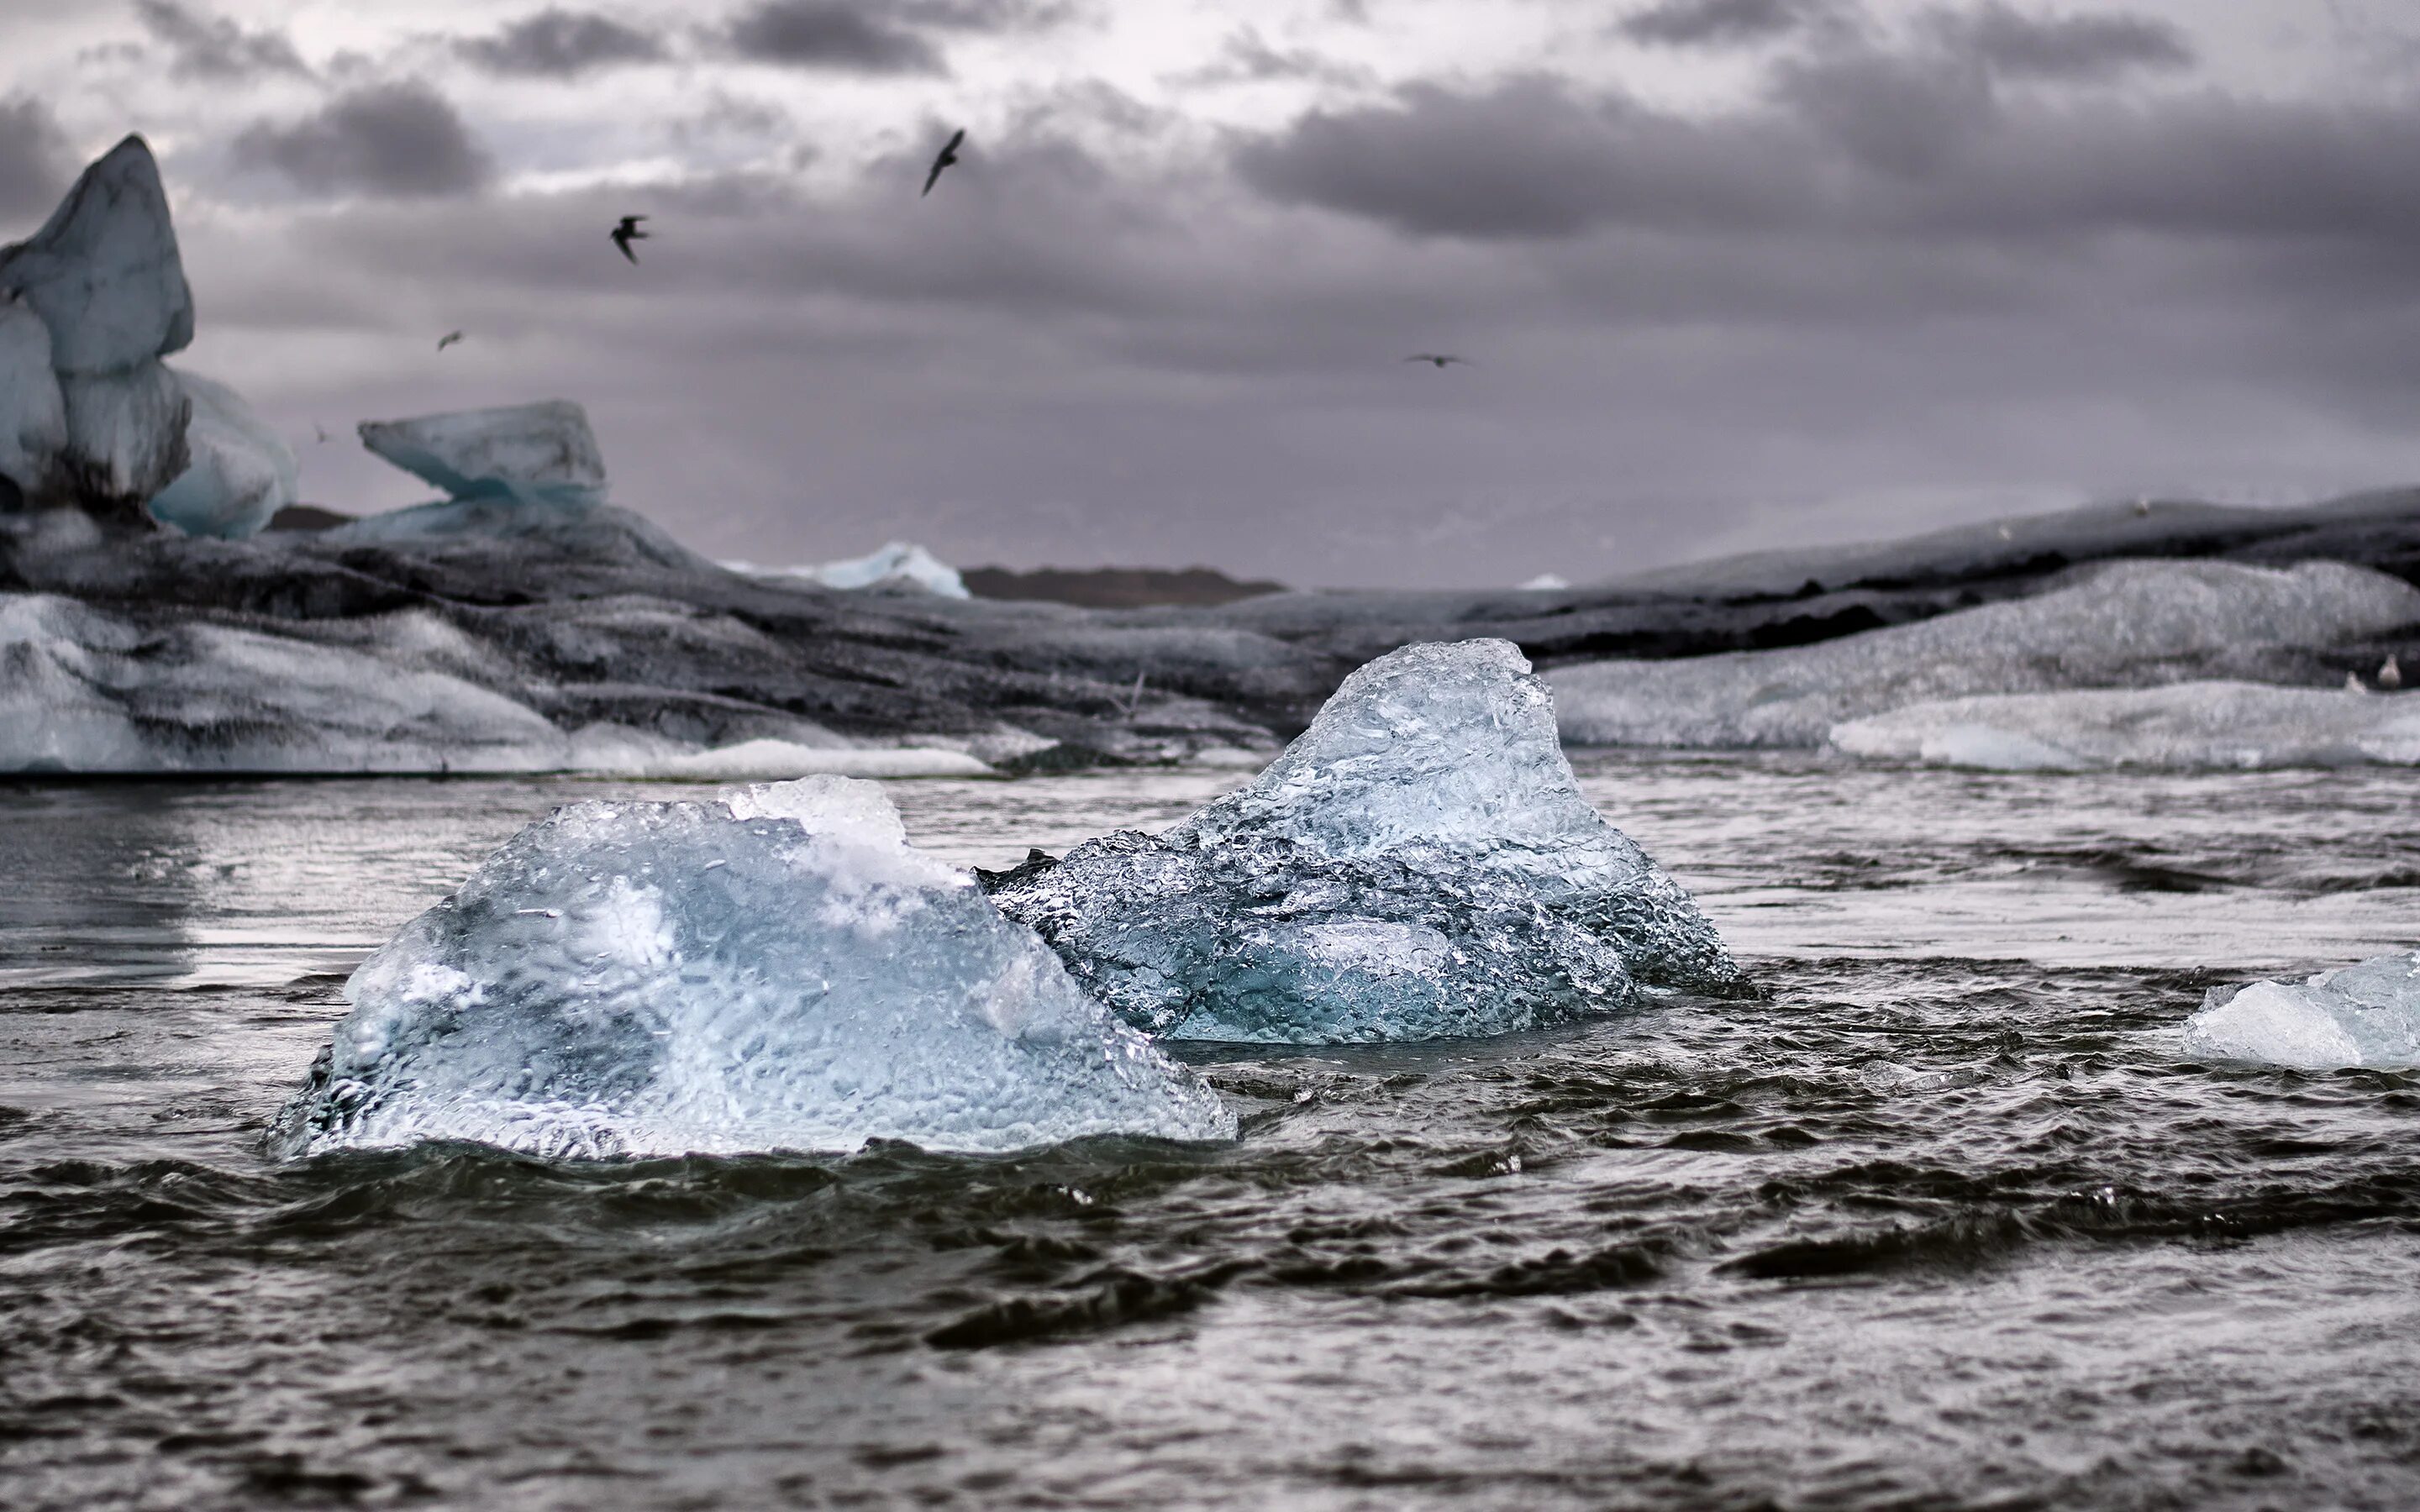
(1418, 864)
(777, 971)
(2365, 1015)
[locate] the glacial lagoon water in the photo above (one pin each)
(1946, 1220)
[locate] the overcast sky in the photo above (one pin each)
(1734, 273)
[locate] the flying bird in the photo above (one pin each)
(1439, 360)
(627, 232)
(321, 430)
(448, 339)
(949, 155)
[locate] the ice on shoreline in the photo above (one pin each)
(776, 971)
(2241, 726)
(2127, 623)
(1418, 864)
(898, 566)
(2364, 1015)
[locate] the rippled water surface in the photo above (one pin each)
(1945, 1222)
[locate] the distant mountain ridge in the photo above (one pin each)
(1116, 587)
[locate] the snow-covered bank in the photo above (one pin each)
(2133, 624)
(2200, 724)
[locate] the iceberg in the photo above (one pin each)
(82, 689)
(126, 432)
(775, 971)
(104, 273)
(2365, 1015)
(2186, 725)
(1417, 864)
(2123, 625)
(898, 567)
(530, 454)
(241, 472)
(33, 413)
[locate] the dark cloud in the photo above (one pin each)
(204, 46)
(827, 34)
(555, 43)
(399, 141)
(1528, 158)
(998, 16)
(34, 164)
(1716, 22)
(2065, 48)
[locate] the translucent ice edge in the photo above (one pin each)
(2365, 1015)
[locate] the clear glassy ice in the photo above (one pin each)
(2360, 1015)
(779, 970)
(1417, 864)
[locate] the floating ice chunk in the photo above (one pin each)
(2126, 623)
(528, 453)
(899, 567)
(2361, 1015)
(86, 690)
(33, 413)
(1546, 583)
(2215, 724)
(104, 273)
(775, 971)
(126, 432)
(241, 473)
(1418, 863)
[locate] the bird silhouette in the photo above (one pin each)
(448, 339)
(627, 232)
(322, 431)
(949, 155)
(1439, 360)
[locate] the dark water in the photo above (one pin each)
(1947, 1222)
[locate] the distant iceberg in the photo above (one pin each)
(2186, 725)
(898, 567)
(2361, 1015)
(527, 454)
(2126, 624)
(776, 971)
(1417, 864)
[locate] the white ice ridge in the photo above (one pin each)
(239, 473)
(84, 689)
(2186, 725)
(2361, 1015)
(900, 566)
(776, 971)
(1419, 863)
(541, 453)
(2129, 622)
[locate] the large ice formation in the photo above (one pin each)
(900, 566)
(530, 454)
(1419, 863)
(2361, 1015)
(2126, 624)
(241, 472)
(2202, 724)
(779, 970)
(103, 272)
(104, 277)
(33, 413)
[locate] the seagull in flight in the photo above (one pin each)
(627, 232)
(448, 339)
(322, 431)
(949, 155)
(1439, 360)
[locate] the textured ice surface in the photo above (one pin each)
(2361, 1015)
(901, 565)
(776, 971)
(104, 273)
(1417, 864)
(33, 413)
(239, 473)
(2127, 623)
(126, 431)
(540, 453)
(86, 690)
(2213, 724)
